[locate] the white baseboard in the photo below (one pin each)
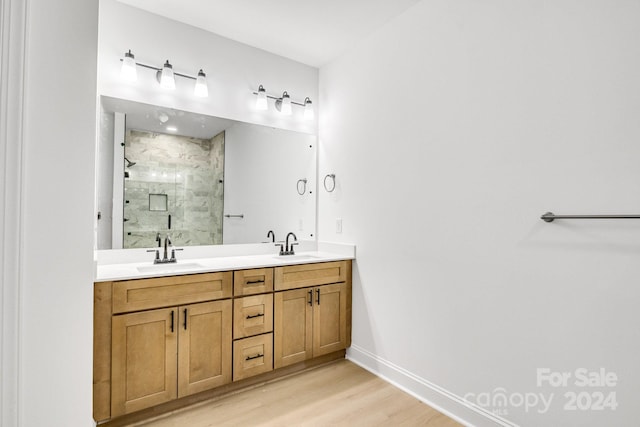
(433, 395)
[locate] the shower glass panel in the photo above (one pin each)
(189, 171)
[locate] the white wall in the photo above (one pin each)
(56, 224)
(260, 181)
(450, 131)
(234, 70)
(12, 28)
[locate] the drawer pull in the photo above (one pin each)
(253, 316)
(318, 293)
(171, 320)
(254, 282)
(310, 297)
(254, 357)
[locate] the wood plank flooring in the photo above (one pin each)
(337, 394)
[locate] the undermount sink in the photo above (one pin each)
(167, 268)
(300, 257)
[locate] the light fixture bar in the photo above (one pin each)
(151, 67)
(302, 104)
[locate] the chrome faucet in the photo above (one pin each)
(289, 247)
(288, 250)
(167, 244)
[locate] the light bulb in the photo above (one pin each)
(167, 80)
(308, 109)
(128, 71)
(261, 101)
(201, 90)
(285, 108)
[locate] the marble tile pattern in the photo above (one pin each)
(190, 172)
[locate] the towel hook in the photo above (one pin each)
(304, 186)
(333, 179)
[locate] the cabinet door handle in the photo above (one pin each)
(171, 320)
(318, 296)
(253, 316)
(254, 282)
(185, 319)
(254, 357)
(310, 297)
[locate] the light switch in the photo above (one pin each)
(339, 225)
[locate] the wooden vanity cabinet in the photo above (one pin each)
(159, 353)
(311, 321)
(161, 339)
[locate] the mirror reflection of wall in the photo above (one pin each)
(189, 172)
(252, 189)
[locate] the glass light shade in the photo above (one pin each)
(261, 100)
(201, 90)
(167, 79)
(285, 108)
(308, 109)
(128, 71)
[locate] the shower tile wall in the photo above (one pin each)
(190, 172)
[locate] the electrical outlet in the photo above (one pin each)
(339, 225)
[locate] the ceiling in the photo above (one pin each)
(156, 119)
(313, 32)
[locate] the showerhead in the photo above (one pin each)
(129, 162)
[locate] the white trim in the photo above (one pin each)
(433, 395)
(13, 19)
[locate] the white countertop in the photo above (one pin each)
(138, 270)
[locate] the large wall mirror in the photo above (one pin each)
(203, 180)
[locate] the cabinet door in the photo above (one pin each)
(329, 319)
(204, 356)
(292, 327)
(143, 360)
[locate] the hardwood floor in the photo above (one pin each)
(337, 394)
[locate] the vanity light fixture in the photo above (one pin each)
(261, 100)
(128, 69)
(283, 103)
(201, 90)
(165, 75)
(308, 109)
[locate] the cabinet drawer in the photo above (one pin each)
(142, 294)
(252, 315)
(300, 276)
(252, 356)
(251, 282)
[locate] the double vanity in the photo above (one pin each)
(169, 335)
